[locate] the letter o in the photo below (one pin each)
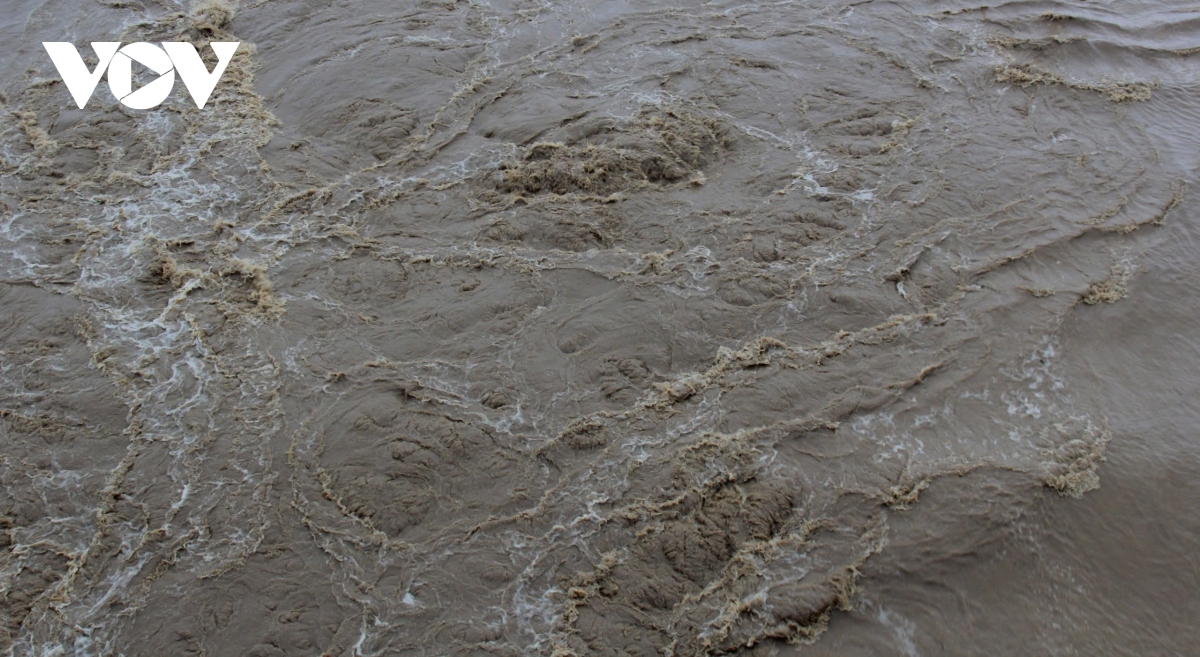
(120, 75)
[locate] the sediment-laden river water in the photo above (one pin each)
(605, 328)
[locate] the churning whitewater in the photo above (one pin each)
(531, 327)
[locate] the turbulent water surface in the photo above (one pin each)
(521, 327)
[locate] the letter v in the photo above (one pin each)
(199, 82)
(80, 82)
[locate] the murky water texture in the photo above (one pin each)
(604, 328)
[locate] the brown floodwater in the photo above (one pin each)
(605, 328)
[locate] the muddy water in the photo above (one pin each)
(605, 328)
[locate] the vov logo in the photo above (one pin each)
(174, 56)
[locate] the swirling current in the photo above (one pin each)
(532, 327)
